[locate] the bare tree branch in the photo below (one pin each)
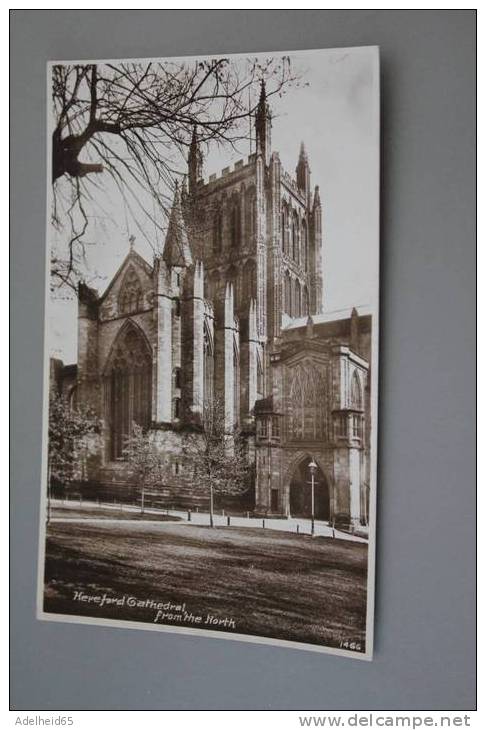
(133, 121)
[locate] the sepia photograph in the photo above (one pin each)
(211, 347)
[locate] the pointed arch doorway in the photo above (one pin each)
(301, 492)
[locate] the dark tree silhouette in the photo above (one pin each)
(134, 121)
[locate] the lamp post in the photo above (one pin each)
(313, 469)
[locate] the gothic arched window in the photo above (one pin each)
(295, 238)
(250, 211)
(306, 409)
(287, 295)
(356, 395)
(235, 222)
(130, 298)
(305, 245)
(284, 225)
(249, 281)
(217, 232)
(128, 387)
(297, 300)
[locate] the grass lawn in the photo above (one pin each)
(108, 513)
(271, 583)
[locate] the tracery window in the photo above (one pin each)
(305, 246)
(295, 238)
(235, 223)
(297, 300)
(130, 298)
(287, 303)
(217, 232)
(128, 387)
(356, 396)
(307, 414)
(250, 206)
(284, 224)
(249, 281)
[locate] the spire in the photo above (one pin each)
(177, 251)
(302, 172)
(195, 161)
(317, 197)
(131, 242)
(263, 125)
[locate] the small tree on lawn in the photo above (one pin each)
(68, 429)
(144, 460)
(218, 456)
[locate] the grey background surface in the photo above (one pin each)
(425, 607)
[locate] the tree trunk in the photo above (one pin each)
(211, 506)
(65, 158)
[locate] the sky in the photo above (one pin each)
(336, 115)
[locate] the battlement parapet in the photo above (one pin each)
(228, 172)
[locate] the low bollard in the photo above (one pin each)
(247, 515)
(297, 529)
(228, 521)
(263, 523)
(188, 515)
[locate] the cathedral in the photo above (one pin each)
(233, 309)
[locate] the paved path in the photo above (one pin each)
(291, 524)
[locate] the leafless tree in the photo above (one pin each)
(133, 121)
(144, 459)
(218, 455)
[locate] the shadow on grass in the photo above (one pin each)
(272, 584)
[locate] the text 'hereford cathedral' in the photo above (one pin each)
(233, 308)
